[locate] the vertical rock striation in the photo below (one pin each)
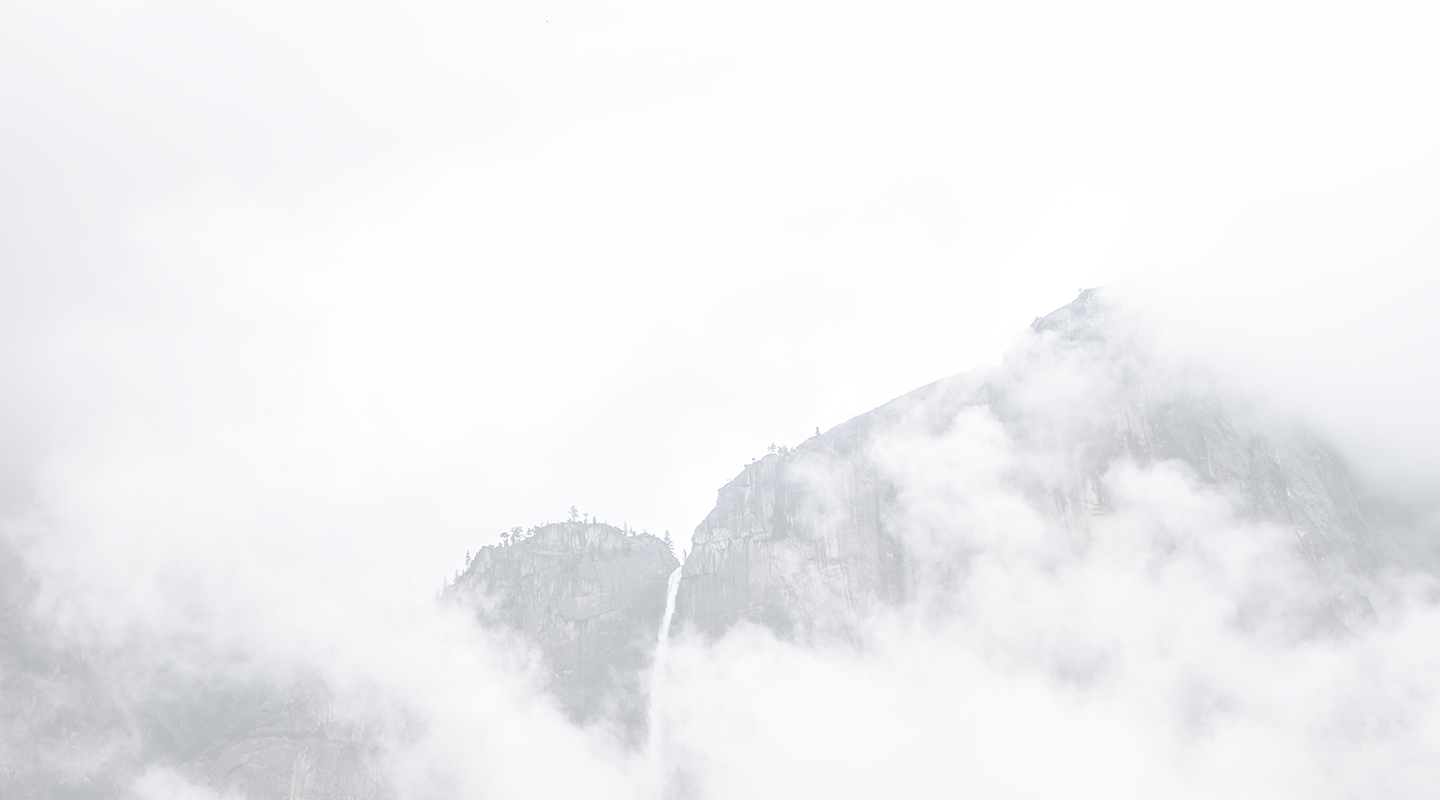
(808, 541)
(62, 733)
(296, 746)
(591, 598)
(796, 542)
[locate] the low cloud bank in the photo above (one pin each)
(1088, 623)
(1175, 653)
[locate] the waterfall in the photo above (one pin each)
(657, 677)
(672, 588)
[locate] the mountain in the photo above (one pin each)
(1034, 461)
(62, 734)
(810, 541)
(587, 597)
(590, 597)
(296, 745)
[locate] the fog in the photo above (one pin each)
(299, 303)
(1169, 643)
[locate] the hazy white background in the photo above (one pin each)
(324, 295)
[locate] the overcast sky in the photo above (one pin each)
(357, 286)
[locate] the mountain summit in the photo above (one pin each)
(590, 596)
(812, 540)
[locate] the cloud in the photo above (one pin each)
(1082, 620)
(1173, 652)
(300, 303)
(1085, 621)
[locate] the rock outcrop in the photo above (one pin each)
(62, 734)
(591, 598)
(807, 541)
(588, 597)
(296, 746)
(798, 541)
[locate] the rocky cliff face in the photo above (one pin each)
(591, 598)
(798, 541)
(62, 734)
(296, 746)
(810, 540)
(81, 721)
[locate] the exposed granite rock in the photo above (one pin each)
(805, 541)
(1280, 473)
(81, 721)
(297, 747)
(62, 733)
(797, 540)
(591, 597)
(86, 722)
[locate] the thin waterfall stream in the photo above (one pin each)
(657, 677)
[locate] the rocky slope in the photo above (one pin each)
(810, 540)
(62, 735)
(796, 541)
(85, 721)
(296, 746)
(590, 597)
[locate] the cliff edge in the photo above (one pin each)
(590, 597)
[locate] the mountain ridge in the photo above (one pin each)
(806, 542)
